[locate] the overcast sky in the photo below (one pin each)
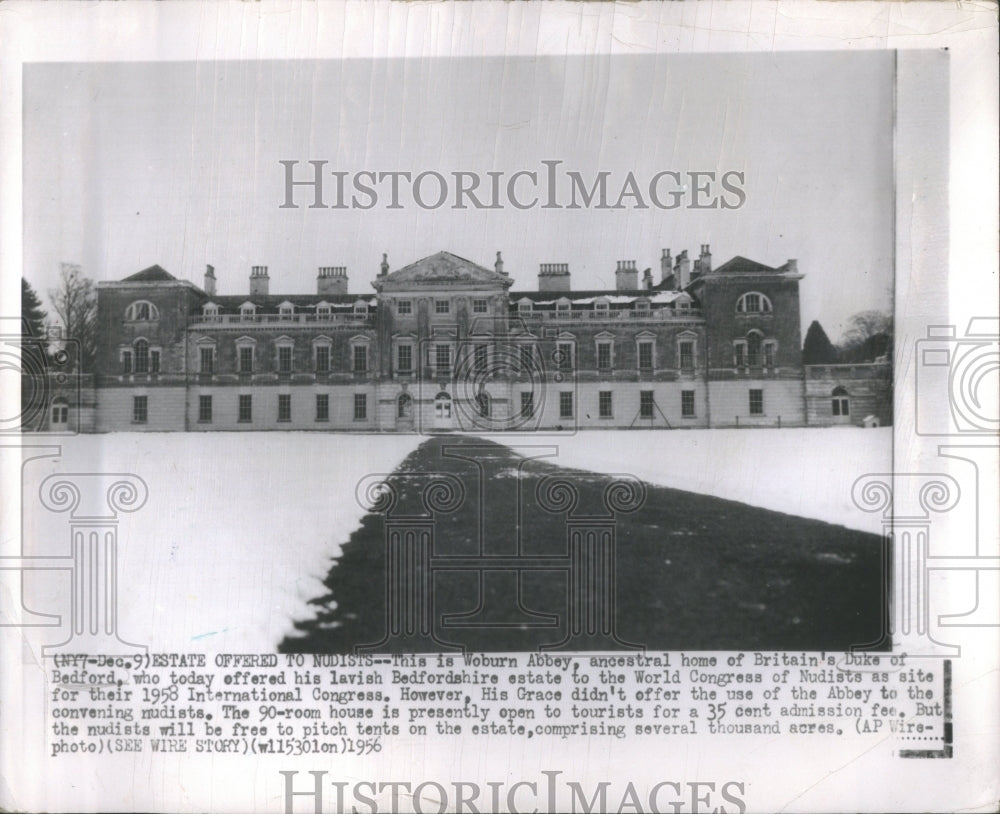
(127, 165)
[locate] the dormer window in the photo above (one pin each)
(141, 311)
(524, 306)
(286, 312)
(324, 310)
(361, 308)
(248, 311)
(642, 305)
(602, 306)
(563, 309)
(753, 303)
(210, 311)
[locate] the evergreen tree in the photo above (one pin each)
(34, 384)
(817, 348)
(31, 312)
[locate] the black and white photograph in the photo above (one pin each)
(600, 391)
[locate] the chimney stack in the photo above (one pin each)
(259, 281)
(792, 266)
(498, 265)
(705, 261)
(647, 279)
(383, 269)
(209, 281)
(553, 277)
(331, 280)
(626, 276)
(682, 271)
(666, 266)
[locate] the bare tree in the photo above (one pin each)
(869, 335)
(75, 304)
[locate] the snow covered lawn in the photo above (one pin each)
(239, 529)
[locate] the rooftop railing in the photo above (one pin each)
(655, 315)
(284, 319)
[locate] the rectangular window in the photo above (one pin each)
(404, 307)
(141, 357)
(154, 361)
(442, 358)
(645, 404)
(687, 403)
(564, 355)
(246, 359)
(645, 356)
(404, 358)
(756, 402)
(140, 409)
(769, 355)
(740, 355)
(284, 407)
(527, 357)
(604, 403)
(285, 359)
(687, 355)
(360, 358)
(245, 409)
(527, 404)
(205, 409)
(565, 405)
(126, 361)
(322, 358)
(482, 357)
(207, 356)
(360, 406)
(322, 407)
(442, 306)
(480, 306)
(604, 356)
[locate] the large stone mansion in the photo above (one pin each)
(446, 344)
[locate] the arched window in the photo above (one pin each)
(840, 402)
(753, 302)
(404, 405)
(141, 354)
(141, 311)
(754, 344)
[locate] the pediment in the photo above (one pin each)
(443, 267)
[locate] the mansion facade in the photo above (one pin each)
(447, 344)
